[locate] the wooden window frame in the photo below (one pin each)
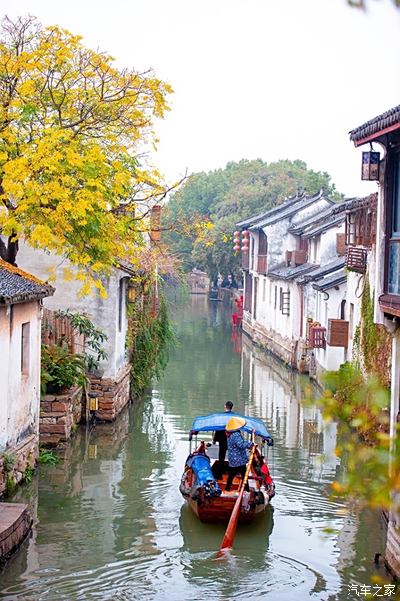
(285, 302)
(25, 348)
(389, 302)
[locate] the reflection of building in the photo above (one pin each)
(198, 282)
(275, 396)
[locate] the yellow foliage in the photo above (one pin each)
(73, 126)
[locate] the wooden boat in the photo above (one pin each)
(204, 478)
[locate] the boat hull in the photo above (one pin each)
(219, 509)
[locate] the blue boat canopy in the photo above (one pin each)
(218, 421)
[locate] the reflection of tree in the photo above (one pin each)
(202, 371)
(145, 452)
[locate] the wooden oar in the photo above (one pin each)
(227, 541)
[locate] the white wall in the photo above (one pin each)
(102, 312)
(328, 306)
(19, 393)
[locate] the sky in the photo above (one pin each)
(269, 79)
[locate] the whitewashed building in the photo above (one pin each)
(385, 131)
(108, 314)
(294, 277)
(21, 297)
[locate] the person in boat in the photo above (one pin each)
(237, 450)
(220, 436)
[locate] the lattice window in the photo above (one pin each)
(356, 259)
(317, 337)
(361, 227)
(285, 303)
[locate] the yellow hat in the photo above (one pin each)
(235, 423)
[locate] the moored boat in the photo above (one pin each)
(204, 478)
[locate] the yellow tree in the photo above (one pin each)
(73, 136)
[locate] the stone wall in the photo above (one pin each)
(283, 348)
(113, 393)
(16, 460)
(58, 414)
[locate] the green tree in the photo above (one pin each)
(225, 196)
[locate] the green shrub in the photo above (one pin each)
(60, 369)
(47, 456)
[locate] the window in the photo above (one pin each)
(361, 225)
(393, 286)
(351, 320)
(262, 253)
(121, 298)
(25, 350)
(285, 303)
(264, 287)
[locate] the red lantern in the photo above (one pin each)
(236, 241)
(245, 241)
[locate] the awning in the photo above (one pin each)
(218, 421)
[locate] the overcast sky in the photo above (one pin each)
(265, 79)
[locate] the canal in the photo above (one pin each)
(110, 522)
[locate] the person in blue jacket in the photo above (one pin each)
(237, 450)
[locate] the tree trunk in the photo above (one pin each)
(9, 250)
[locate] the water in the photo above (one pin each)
(110, 522)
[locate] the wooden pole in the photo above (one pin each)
(227, 541)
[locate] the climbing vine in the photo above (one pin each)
(375, 343)
(150, 335)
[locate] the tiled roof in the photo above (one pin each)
(284, 272)
(357, 203)
(289, 211)
(319, 223)
(17, 286)
(323, 270)
(289, 207)
(277, 209)
(376, 125)
(330, 281)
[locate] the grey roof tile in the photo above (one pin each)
(330, 281)
(284, 272)
(18, 286)
(376, 125)
(322, 270)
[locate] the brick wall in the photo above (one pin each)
(58, 413)
(113, 393)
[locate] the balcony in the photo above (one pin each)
(262, 264)
(356, 259)
(317, 337)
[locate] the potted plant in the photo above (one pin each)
(60, 369)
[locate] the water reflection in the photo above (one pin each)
(109, 519)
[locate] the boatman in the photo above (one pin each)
(237, 450)
(220, 438)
